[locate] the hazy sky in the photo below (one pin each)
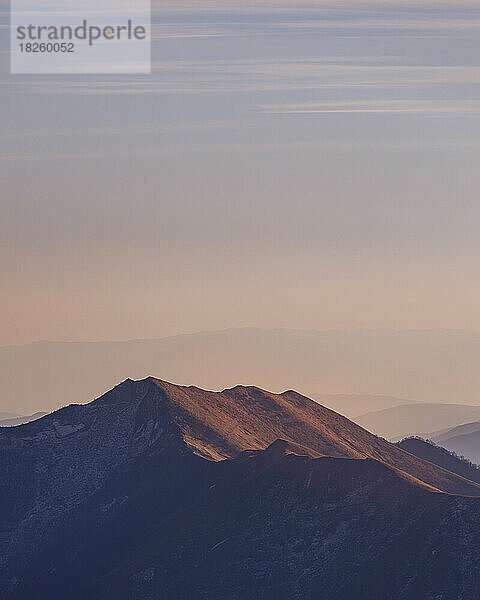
(287, 164)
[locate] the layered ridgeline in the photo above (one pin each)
(399, 421)
(463, 440)
(161, 491)
(12, 421)
(422, 365)
(442, 457)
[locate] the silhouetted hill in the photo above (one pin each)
(449, 432)
(467, 445)
(442, 457)
(161, 491)
(463, 440)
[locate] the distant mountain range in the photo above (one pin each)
(12, 421)
(420, 365)
(157, 491)
(463, 440)
(356, 405)
(7, 415)
(416, 419)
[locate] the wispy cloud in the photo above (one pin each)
(239, 6)
(214, 77)
(424, 107)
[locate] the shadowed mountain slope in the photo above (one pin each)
(275, 524)
(292, 527)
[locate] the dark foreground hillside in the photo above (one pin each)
(160, 492)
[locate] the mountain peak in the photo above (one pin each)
(152, 479)
(141, 416)
(221, 425)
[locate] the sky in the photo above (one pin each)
(286, 164)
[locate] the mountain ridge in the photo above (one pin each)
(220, 425)
(123, 496)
